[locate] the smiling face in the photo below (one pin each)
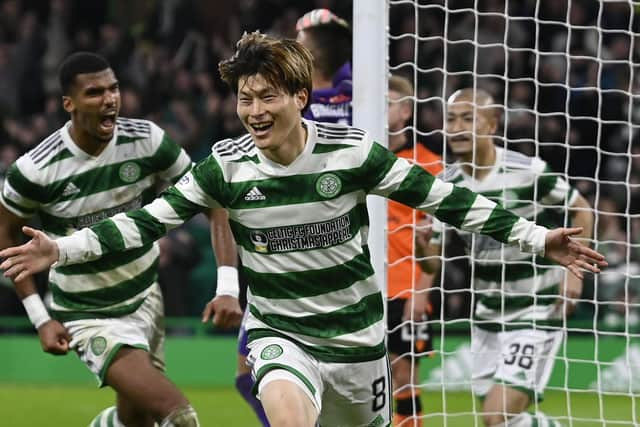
(271, 115)
(470, 121)
(94, 104)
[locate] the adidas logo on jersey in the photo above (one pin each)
(254, 194)
(70, 189)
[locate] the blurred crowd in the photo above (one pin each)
(566, 91)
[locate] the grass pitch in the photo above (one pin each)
(70, 406)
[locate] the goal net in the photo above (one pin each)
(564, 74)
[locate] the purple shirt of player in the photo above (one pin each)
(333, 105)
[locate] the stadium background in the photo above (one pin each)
(165, 54)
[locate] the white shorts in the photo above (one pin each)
(98, 340)
(522, 359)
(345, 394)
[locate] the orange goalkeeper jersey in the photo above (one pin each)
(401, 220)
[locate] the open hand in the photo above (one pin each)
(36, 255)
(562, 249)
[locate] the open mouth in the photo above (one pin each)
(108, 122)
(261, 128)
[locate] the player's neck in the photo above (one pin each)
(480, 165)
(86, 142)
(287, 153)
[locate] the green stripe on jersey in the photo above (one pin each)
(105, 263)
(455, 206)
(24, 186)
(412, 190)
(376, 167)
(126, 139)
(149, 227)
(327, 148)
(286, 190)
(546, 184)
(68, 316)
(546, 296)
(98, 180)
(166, 155)
(61, 226)
(180, 204)
(25, 211)
(499, 224)
(105, 297)
(351, 318)
(109, 235)
(522, 269)
(308, 283)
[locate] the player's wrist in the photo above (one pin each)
(59, 256)
(227, 282)
(37, 312)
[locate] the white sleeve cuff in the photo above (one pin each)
(530, 236)
(228, 281)
(36, 310)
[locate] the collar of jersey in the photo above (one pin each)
(77, 151)
(272, 168)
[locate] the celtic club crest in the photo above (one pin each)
(328, 185)
(129, 172)
(271, 351)
(98, 345)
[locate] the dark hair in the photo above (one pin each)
(330, 45)
(79, 63)
(284, 63)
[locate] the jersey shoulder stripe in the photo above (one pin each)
(331, 132)
(235, 149)
(335, 127)
(47, 149)
(133, 128)
(46, 143)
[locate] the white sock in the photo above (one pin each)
(108, 417)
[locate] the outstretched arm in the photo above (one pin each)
(397, 179)
(121, 232)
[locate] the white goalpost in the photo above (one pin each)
(369, 105)
(566, 74)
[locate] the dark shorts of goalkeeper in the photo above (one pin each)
(409, 339)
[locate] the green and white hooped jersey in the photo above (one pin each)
(302, 232)
(511, 286)
(70, 189)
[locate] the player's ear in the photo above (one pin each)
(301, 98)
(67, 104)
